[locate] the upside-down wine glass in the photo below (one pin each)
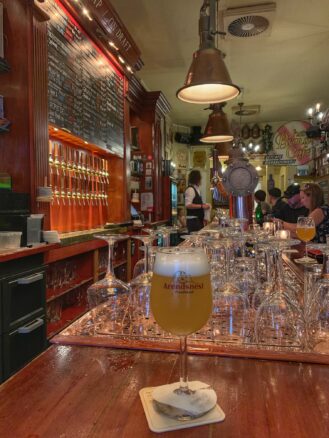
(275, 321)
(181, 303)
(144, 279)
(100, 291)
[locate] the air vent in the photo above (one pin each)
(251, 25)
(249, 21)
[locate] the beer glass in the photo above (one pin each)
(181, 303)
(305, 231)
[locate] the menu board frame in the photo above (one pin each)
(85, 89)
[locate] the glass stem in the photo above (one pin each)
(110, 267)
(278, 271)
(306, 250)
(268, 265)
(183, 381)
(146, 247)
(166, 240)
(227, 263)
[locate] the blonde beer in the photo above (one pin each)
(181, 296)
(305, 233)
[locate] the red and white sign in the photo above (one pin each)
(291, 146)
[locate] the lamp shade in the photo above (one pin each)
(207, 80)
(218, 129)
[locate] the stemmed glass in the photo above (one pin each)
(144, 279)
(276, 315)
(100, 291)
(181, 303)
(305, 231)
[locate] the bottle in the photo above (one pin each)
(270, 182)
(259, 214)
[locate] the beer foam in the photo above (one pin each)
(194, 263)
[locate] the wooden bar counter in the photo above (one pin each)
(93, 392)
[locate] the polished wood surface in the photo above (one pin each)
(14, 87)
(93, 392)
(6, 256)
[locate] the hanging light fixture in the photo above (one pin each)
(218, 129)
(208, 80)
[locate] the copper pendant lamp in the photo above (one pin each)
(208, 80)
(218, 129)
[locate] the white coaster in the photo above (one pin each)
(306, 261)
(161, 423)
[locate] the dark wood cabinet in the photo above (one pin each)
(23, 310)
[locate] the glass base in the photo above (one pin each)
(229, 289)
(306, 261)
(198, 400)
(102, 290)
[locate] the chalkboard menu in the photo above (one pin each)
(85, 91)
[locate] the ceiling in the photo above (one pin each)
(284, 73)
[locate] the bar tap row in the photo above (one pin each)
(77, 176)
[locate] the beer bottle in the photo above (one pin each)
(259, 214)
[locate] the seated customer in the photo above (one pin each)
(294, 207)
(311, 197)
(276, 201)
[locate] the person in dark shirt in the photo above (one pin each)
(193, 202)
(294, 207)
(276, 202)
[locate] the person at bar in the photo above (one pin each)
(311, 197)
(276, 202)
(294, 207)
(194, 204)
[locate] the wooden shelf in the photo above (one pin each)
(68, 316)
(69, 289)
(61, 134)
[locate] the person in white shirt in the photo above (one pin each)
(193, 202)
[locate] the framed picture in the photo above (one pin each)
(199, 159)
(148, 183)
(148, 165)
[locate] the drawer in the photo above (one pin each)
(23, 298)
(23, 344)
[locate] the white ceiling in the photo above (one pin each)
(285, 72)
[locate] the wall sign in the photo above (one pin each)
(291, 146)
(86, 93)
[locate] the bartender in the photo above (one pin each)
(194, 204)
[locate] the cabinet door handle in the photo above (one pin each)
(30, 327)
(30, 279)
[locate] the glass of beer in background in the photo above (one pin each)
(306, 232)
(181, 299)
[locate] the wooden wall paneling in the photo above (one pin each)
(39, 142)
(127, 157)
(117, 190)
(14, 86)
